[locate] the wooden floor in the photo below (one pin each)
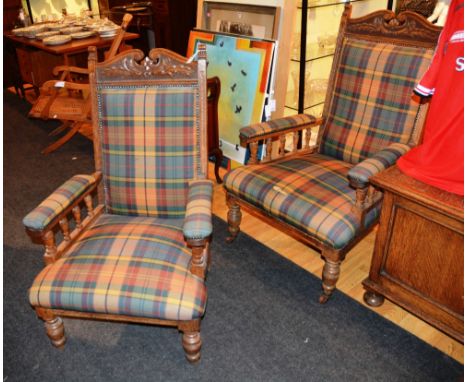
(353, 270)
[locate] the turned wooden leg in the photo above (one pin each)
(234, 217)
(54, 327)
(330, 275)
(373, 299)
(191, 340)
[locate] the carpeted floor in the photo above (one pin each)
(262, 323)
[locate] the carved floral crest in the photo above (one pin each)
(403, 25)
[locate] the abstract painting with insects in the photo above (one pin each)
(243, 65)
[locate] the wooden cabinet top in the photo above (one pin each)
(394, 180)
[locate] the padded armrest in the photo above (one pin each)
(257, 130)
(58, 201)
(359, 175)
(197, 223)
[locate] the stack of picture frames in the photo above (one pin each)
(241, 52)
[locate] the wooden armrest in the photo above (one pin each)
(70, 69)
(359, 175)
(273, 131)
(277, 127)
(60, 221)
(197, 221)
(51, 84)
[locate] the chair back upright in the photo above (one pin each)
(370, 103)
(120, 35)
(149, 127)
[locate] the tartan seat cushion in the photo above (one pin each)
(372, 104)
(310, 192)
(128, 265)
(150, 148)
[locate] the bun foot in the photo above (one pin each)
(373, 299)
(229, 239)
(323, 298)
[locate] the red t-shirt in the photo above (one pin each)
(439, 159)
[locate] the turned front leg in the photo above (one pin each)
(54, 327)
(234, 217)
(191, 340)
(330, 275)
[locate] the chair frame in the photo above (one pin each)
(407, 28)
(169, 64)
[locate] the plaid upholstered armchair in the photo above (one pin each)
(141, 252)
(320, 194)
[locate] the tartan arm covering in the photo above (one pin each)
(197, 223)
(359, 175)
(275, 125)
(58, 201)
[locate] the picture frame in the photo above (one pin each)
(256, 21)
(244, 65)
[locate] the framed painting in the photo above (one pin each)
(241, 19)
(243, 66)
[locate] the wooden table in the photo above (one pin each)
(36, 60)
(418, 254)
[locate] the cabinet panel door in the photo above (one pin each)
(425, 255)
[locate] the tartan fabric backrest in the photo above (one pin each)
(372, 103)
(150, 143)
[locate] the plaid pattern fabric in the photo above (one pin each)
(361, 173)
(310, 192)
(149, 148)
(136, 266)
(372, 102)
(58, 201)
(275, 125)
(197, 223)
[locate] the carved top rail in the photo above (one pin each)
(407, 26)
(162, 64)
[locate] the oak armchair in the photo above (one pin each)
(320, 193)
(141, 252)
